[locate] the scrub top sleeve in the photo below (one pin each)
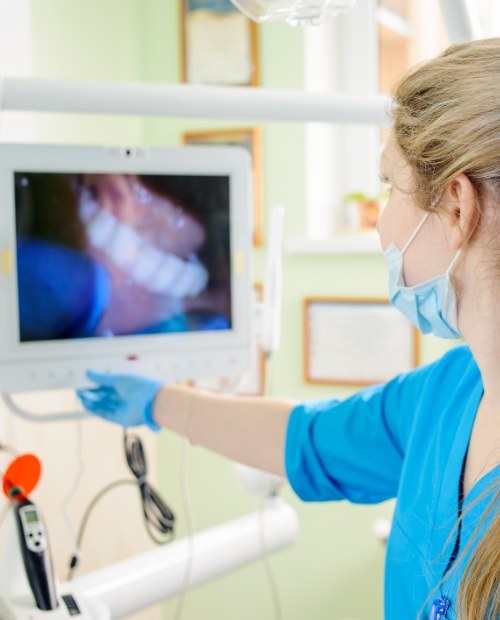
(353, 449)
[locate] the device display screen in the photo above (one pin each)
(31, 516)
(103, 255)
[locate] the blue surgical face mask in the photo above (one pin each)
(432, 305)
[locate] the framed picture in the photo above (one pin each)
(251, 140)
(356, 341)
(253, 383)
(219, 44)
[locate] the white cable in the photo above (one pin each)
(267, 562)
(188, 510)
(4, 513)
(186, 497)
(268, 368)
(74, 487)
(265, 501)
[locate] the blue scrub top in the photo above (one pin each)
(406, 439)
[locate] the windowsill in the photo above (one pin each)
(361, 243)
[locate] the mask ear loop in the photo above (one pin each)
(453, 262)
(415, 232)
(434, 203)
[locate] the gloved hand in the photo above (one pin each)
(124, 399)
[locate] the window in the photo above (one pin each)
(364, 52)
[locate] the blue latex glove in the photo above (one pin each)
(124, 399)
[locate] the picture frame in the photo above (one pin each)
(356, 342)
(250, 138)
(219, 44)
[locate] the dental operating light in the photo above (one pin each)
(294, 12)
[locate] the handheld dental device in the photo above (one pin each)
(35, 551)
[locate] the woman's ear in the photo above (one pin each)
(459, 200)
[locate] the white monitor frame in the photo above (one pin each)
(174, 356)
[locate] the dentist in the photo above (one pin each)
(430, 437)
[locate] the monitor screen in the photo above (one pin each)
(103, 255)
(123, 259)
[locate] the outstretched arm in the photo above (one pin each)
(247, 429)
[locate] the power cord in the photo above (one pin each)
(4, 513)
(188, 508)
(266, 560)
(74, 486)
(157, 514)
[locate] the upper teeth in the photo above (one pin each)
(156, 271)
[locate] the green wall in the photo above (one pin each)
(335, 571)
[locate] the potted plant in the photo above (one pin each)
(363, 210)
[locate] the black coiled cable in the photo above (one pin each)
(157, 515)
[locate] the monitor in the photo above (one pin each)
(123, 260)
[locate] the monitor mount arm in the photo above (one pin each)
(40, 417)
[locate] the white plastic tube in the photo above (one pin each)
(189, 100)
(148, 578)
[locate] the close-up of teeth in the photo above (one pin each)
(101, 229)
(156, 271)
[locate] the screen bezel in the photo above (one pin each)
(24, 365)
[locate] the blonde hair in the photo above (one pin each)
(479, 594)
(447, 118)
(446, 121)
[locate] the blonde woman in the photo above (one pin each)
(431, 437)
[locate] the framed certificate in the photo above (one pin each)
(219, 44)
(356, 341)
